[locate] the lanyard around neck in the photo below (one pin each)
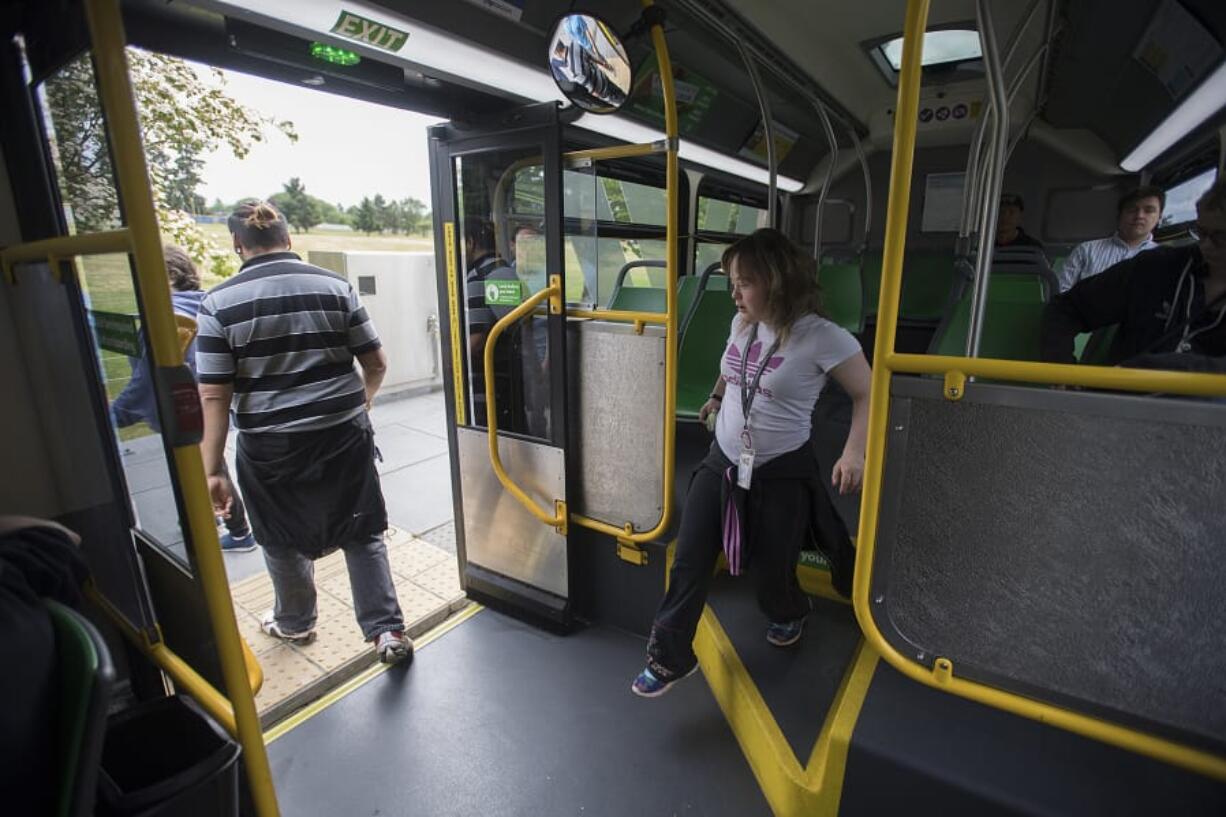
(750, 390)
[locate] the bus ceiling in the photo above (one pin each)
(1095, 93)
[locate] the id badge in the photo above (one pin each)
(744, 468)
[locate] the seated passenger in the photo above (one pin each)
(1009, 232)
(1170, 302)
(485, 265)
(758, 495)
(1137, 214)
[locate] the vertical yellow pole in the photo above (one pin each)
(115, 88)
(672, 177)
(905, 123)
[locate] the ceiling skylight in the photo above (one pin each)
(940, 47)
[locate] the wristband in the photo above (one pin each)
(717, 397)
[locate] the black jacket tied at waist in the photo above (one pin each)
(827, 533)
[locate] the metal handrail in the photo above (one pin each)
(716, 268)
(768, 130)
(821, 197)
(629, 265)
(552, 293)
(995, 174)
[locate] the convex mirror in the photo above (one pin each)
(589, 63)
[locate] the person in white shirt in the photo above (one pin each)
(1138, 214)
(758, 496)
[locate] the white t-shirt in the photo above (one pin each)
(782, 411)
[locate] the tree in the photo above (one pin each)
(300, 209)
(415, 214)
(381, 215)
(365, 217)
(182, 119)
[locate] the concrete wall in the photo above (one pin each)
(403, 307)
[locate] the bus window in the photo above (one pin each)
(1181, 198)
(81, 159)
(720, 222)
(500, 202)
(611, 222)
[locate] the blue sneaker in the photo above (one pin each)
(237, 544)
(647, 685)
(785, 634)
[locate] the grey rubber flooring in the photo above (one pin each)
(798, 682)
(498, 718)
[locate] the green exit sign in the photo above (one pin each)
(369, 32)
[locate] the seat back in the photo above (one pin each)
(1012, 320)
(842, 294)
(639, 299)
(928, 280)
(702, 346)
(85, 674)
(620, 282)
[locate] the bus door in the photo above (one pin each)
(499, 251)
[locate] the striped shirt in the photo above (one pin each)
(285, 334)
(1092, 257)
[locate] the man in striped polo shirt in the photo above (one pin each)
(1137, 214)
(275, 351)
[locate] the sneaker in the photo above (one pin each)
(647, 685)
(393, 646)
(785, 634)
(237, 544)
(270, 626)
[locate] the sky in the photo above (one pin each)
(345, 150)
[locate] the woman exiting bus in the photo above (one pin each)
(759, 490)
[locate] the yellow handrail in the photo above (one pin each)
(115, 91)
(672, 186)
(185, 677)
(1095, 377)
(553, 292)
(66, 246)
(888, 361)
(614, 152)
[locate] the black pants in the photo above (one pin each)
(777, 530)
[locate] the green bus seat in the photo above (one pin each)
(842, 294)
(1012, 320)
(639, 299)
(927, 280)
(702, 347)
(85, 675)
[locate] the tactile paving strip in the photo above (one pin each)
(428, 586)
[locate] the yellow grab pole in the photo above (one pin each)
(115, 89)
(943, 674)
(557, 519)
(905, 123)
(672, 175)
(1095, 377)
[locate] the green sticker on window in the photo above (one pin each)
(503, 293)
(369, 32)
(116, 332)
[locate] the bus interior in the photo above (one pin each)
(1035, 624)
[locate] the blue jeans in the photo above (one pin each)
(374, 596)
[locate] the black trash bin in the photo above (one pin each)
(167, 758)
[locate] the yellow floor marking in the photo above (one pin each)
(313, 709)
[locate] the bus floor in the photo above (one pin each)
(499, 718)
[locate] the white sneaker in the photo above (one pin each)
(393, 646)
(268, 623)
